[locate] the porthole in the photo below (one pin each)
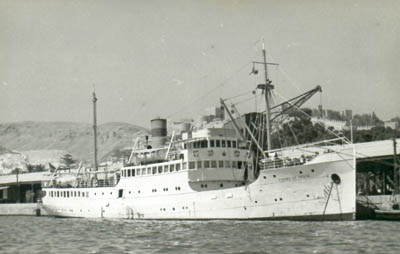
(301, 172)
(265, 177)
(312, 170)
(274, 176)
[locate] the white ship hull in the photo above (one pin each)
(302, 192)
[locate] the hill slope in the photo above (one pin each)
(76, 138)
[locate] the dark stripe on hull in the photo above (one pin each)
(327, 217)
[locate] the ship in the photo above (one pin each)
(220, 169)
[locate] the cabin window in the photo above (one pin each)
(138, 171)
(184, 165)
(204, 144)
(133, 172)
(171, 167)
(64, 194)
(79, 194)
(165, 168)
(206, 164)
(227, 164)
(223, 143)
(87, 194)
(143, 171)
(74, 193)
(120, 193)
(149, 171)
(220, 164)
(233, 143)
(212, 143)
(159, 169)
(240, 164)
(213, 164)
(129, 172)
(218, 143)
(198, 164)
(228, 143)
(195, 145)
(58, 194)
(178, 167)
(191, 164)
(154, 170)
(184, 146)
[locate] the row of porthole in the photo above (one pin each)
(280, 199)
(102, 193)
(205, 185)
(300, 172)
(173, 208)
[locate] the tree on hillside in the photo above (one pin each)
(67, 160)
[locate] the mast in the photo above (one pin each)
(95, 130)
(267, 100)
(266, 89)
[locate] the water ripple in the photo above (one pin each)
(54, 235)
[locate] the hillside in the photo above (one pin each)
(76, 138)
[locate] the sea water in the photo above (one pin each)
(19, 234)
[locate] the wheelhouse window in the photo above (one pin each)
(204, 144)
(184, 165)
(165, 168)
(198, 164)
(178, 167)
(191, 164)
(223, 143)
(234, 164)
(228, 143)
(138, 171)
(212, 143)
(206, 164)
(143, 171)
(129, 172)
(159, 169)
(218, 143)
(171, 167)
(154, 170)
(213, 164)
(227, 164)
(233, 143)
(220, 164)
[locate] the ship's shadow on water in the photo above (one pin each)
(53, 235)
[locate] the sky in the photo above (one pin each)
(175, 59)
